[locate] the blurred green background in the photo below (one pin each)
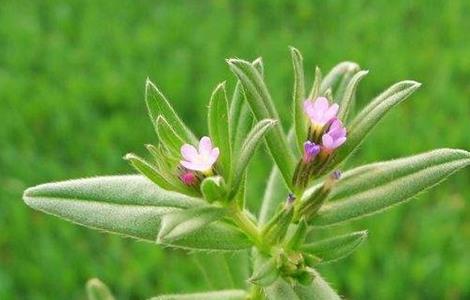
(72, 80)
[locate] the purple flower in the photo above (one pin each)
(200, 160)
(335, 136)
(310, 151)
(320, 111)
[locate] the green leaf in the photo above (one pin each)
(318, 290)
(346, 101)
(217, 295)
(336, 73)
(168, 136)
(372, 188)
(298, 98)
(97, 290)
(213, 188)
(262, 107)
(219, 131)
(130, 205)
(371, 115)
(157, 105)
(281, 290)
(178, 224)
(258, 65)
(254, 138)
(337, 247)
(224, 270)
(150, 171)
(265, 274)
(315, 91)
(275, 193)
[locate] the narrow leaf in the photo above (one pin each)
(315, 91)
(335, 74)
(219, 131)
(168, 136)
(178, 224)
(318, 290)
(372, 188)
(346, 101)
(298, 97)
(281, 290)
(254, 138)
(130, 205)
(97, 290)
(371, 115)
(266, 274)
(157, 105)
(262, 107)
(275, 193)
(335, 248)
(149, 171)
(213, 188)
(217, 295)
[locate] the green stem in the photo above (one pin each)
(248, 227)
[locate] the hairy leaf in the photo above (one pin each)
(217, 295)
(318, 290)
(298, 97)
(254, 138)
(346, 101)
(335, 248)
(281, 290)
(148, 170)
(275, 193)
(336, 73)
(168, 136)
(213, 188)
(372, 188)
(219, 130)
(157, 105)
(371, 115)
(262, 107)
(178, 224)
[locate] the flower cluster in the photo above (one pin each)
(326, 133)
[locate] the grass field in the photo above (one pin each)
(72, 77)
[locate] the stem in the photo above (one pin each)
(248, 227)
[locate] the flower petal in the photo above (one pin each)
(214, 155)
(188, 152)
(321, 104)
(327, 141)
(339, 142)
(205, 146)
(331, 112)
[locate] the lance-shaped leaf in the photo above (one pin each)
(336, 73)
(150, 171)
(265, 274)
(274, 194)
(318, 290)
(216, 295)
(168, 136)
(337, 247)
(281, 290)
(315, 90)
(298, 97)
(213, 188)
(224, 270)
(346, 101)
(372, 188)
(178, 224)
(262, 107)
(219, 130)
(97, 290)
(158, 105)
(254, 138)
(371, 115)
(130, 205)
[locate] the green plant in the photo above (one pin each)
(194, 199)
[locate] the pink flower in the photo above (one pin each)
(320, 111)
(335, 136)
(201, 160)
(310, 151)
